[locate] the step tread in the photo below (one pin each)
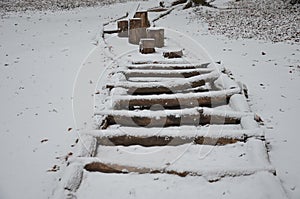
(212, 131)
(170, 66)
(205, 160)
(162, 186)
(168, 84)
(177, 113)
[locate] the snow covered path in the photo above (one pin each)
(153, 153)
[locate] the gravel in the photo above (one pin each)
(272, 20)
(42, 5)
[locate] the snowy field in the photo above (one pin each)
(42, 51)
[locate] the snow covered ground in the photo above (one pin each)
(40, 56)
(41, 52)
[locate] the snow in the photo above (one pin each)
(161, 186)
(273, 81)
(224, 82)
(73, 176)
(169, 83)
(155, 28)
(168, 112)
(167, 66)
(208, 161)
(163, 72)
(239, 103)
(213, 131)
(88, 145)
(192, 96)
(41, 53)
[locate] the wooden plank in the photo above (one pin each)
(175, 101)
(126, 140)
(173, 54)
(227, 160)
(138, 88)
(233, 131)
(167, 66)
(165, 118)
(166, 73)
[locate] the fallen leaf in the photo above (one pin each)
(53, 169)
(44, 140)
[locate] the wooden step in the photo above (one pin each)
(161, 61)
(166, 73)
(165, 118)
(168, 66)
(174, 136)
(150, 141)
(203, 160)
(174, 101)
(154, 79)
(165, 87)
(161, 186)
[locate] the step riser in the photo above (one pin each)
(120, 169)
(155, 90)
(171, 103)
(163, 141)
(167, 66)
(166, 121)
(170, 75)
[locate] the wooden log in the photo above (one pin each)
(147, 88)
(147, 46)
(153, 79)
(125, 140)
(169, 120)
(163, 89)
(182, 131)
(158, 35)
(136, 31)
(157, 9)
(177, 2)
(173, 54)
(176, 101)
(160, 79)
(166, 118)
(115, 168)
(157, 89)
(164, 66)
(144, 16)
(159, 62)
(172, 136)
(242, 159)
(123, 28)
(166, 73)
